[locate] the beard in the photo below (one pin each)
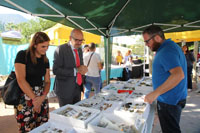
(156, 46)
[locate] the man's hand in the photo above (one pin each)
(151, 97)
(82, 69)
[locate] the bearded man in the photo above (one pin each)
(169, 77)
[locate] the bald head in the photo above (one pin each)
(76, 31)
(76, 38)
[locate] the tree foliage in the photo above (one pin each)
(2, 29)
(137, 49)
(10, 26)
(29, 28)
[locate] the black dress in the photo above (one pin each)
(27, 118)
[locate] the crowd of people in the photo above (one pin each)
(171, 76)
(70, 64)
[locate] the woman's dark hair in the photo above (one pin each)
(39, 37)
(187, 51)
(154, 30)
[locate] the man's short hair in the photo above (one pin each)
(92, 46)
(154, 30)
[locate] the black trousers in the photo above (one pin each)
(169, 116)
(189, 76)
(76, 97)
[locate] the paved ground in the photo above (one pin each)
(190, 119)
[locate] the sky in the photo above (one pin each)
(128, 40)
(5, 10)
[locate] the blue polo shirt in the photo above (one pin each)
(167, 57)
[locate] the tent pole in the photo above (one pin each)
(151, 56)
(108, 57)
(196, 49)
(145, 60)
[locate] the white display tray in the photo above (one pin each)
(101, 96)
(52, 127)
(108, 106)
(118, 84)
(136, 98)
(114, 122)
(137, 95)
(137, 108)
(129, 85)
(133, 81)
(117, 97)
(110, 88)
(81, 130)
(146, 82)
(89, 103)
(71, 120)
(144, 89)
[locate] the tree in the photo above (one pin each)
(2, 29)
(34, 25)
(10, 26)
(116, 44)
(123, 45)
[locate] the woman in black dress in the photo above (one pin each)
(33, 77)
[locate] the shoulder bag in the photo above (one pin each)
(84, 77)
(11, 91)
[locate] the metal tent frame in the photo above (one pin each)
(56, 11)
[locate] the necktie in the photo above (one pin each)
(78, 77)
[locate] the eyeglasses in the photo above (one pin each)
(147, 41)
(78, 40)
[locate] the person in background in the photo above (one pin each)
(168, 77)
(128, 65)
(198, 57)
(31, 67)
(119, 58)
(127, 55)
(137, 61)
(190, 61)
(85, 49)
(68, 68)
(101, 83)
(93, 78)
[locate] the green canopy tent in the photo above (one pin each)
(111, 18)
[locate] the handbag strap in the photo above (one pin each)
(90, 59)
